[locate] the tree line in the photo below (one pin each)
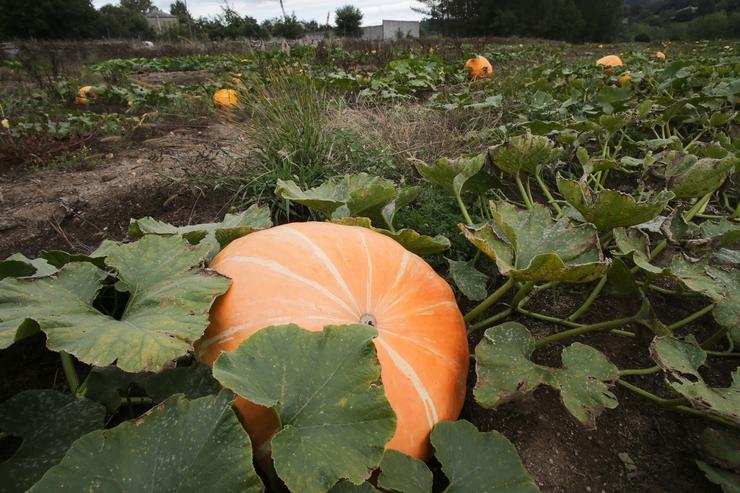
(78, 19)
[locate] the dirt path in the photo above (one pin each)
(76, 209)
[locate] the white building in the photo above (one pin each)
(390, 30)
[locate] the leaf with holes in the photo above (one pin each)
(328, 399)
(179, 445)
(607, 209)
(18, 265)
(410, 239)
(681, 361)
(402, 473)
(523, 154)
(215, 235)
(167, 309)
(48, 421)
(504, 372)
(529, 245)
(479, 461)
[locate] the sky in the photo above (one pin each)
(374, 11)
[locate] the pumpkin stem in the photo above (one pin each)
(368, 319)
(68, 365)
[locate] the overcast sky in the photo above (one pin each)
(374, 11)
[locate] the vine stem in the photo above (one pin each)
(490, 320)
(672, 404)
(522, 191)
(639, 371)
(493, 298)
(583, 329)
(714, 338)
(550, 199)
(463, 209)
(698, 207)
(68, 365)
(589, 301)
(691, 317)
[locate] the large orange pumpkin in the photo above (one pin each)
(660, 55)
(317, 274)
(228, 98)
(479, 67)
(608, 62)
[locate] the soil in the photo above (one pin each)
(76, 209)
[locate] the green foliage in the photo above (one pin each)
(348, 19)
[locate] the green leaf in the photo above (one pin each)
(215, 235)
(637, 244)
(347, 487)
(727, 480)
(524, 153)
(722, 446)
(194, 381)
(470, 282)
(464, 174)
(612, 98)
(404, 474)
(48, 421)
(324, 388)
(18, 265)
(105, 385)
(410, 239)
(180, 445)
(167, 309)
(690, 177)
(505, 371)
(479, 461)
(529, 246)
(351, 195)
(608, 209)
(722, 232)
(681, 360)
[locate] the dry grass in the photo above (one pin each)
(412, 130)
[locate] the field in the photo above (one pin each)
(586, 217)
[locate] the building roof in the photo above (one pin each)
(155, 13)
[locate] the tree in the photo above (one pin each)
(119, 22)
(180, 10)
(286, 27)
(349, 20)
(140, 6)
(47, 19)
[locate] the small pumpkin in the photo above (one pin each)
(624, 80)
(660, 55)
(84, 95)
(609, 62)
(479, 67)
(315, 274)
(227, 98)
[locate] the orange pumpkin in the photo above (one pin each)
(317, 274)
(479, 67)
(625, 79)
(84, 95)
(660, 54)
(227, 98)
(608, 62)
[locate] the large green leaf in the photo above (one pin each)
(459, 175)
(729, 481)
(470, 282)
(404, 474)
(608, 209)
(410, 239)
(48, 421)
(722, 446)
(529, 246)
(215, 235)
(524, 153)
(690, 177)
(324, 387)
(681, 360)
(167, 309)
(505, 371)
(476, 461)
(351, 195)
(180, 445)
